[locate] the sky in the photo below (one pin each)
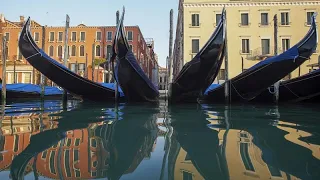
(153, 17)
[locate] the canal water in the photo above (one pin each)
(81, 140)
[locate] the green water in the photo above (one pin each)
(49, 140)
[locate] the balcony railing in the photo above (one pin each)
(257, 54)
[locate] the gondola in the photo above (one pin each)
(249, 84)
(58, 73)
(305, 88)
(197, 75)
(135, 84)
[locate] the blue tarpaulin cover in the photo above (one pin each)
(212, 86)
(32, 88)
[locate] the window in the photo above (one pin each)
(51, 165)
(244, 152)
(244, 19)
(67, 162)
(16, 143)
(60, 51)
(26, 77)
(74, 36)
(195, 45)
(221, 74)
(82, 36)
(218, 17)
(264, 19)
(98, 36)
(285, 44)
(265, 45)
(73, 67)
(19, 55)
(73, 50)
(109, 36)
(275, 172)
(187, 176)
(81, 67)
(7, 35)
(44, 154)
(309, 17)
(81, 50)
(68, 142)
(60, 36)
(245, 46)
(51, 51)
(109, 51)
(130, 35)
(36, 37)
(195, 20)
(51, 37)
(285, 18)
(98, 50)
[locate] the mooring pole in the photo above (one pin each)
(115, 82)
(66, 54)
(109, 68)
(4, 74)
(76, 68)
(42, 77)
(226, 66)
(170, 46)
(98, 71)
(86, 70)
(14, 71)
(276, 85)
(92, 63)
(105, 72)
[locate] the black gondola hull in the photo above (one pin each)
(248, 85)
(56, 72)
(200, 72)
(305, 88)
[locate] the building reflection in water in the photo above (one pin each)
(236, 143)
(83, 148)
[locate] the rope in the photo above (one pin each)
(291, 91)
(33, 55)
(247, 99)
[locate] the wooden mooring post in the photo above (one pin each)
(277, 84)
(226, 65)
(116, 94)
(86, 70)
(4, 68)
(66, 54)
(42, 77)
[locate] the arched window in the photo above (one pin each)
(109, 51)
(98, 50)
(59, 51)
(51, 51)
(82, 50)
(73, 50)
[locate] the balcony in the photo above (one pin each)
(257, 54)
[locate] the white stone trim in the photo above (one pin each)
(246, 4)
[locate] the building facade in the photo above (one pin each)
(250, 31)
(86, 45)
(163, 78)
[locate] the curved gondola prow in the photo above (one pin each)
(221, 24)
(25, 36)
(307, 45)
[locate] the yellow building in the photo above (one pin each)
(250, 30)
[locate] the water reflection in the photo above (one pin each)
(88, 141)
(244, 142)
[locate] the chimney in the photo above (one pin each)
(2, 18)
(22, 19)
